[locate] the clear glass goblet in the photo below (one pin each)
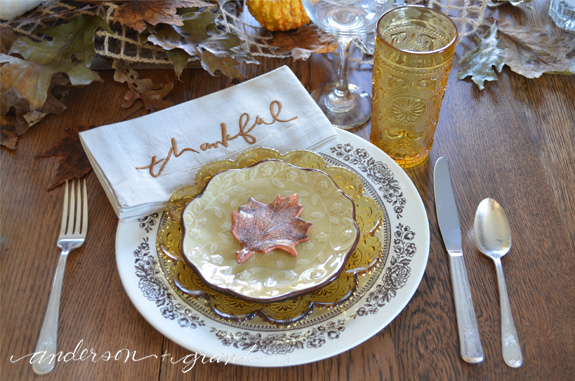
(345, 105)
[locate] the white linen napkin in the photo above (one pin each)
(141, 162)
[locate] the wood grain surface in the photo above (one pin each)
(514, 142)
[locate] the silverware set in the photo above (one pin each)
(493, 238)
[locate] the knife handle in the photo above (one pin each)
(469, 340)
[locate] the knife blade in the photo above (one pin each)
(448, 220)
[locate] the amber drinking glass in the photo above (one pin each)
(413, 55)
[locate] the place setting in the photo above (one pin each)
(253, 222)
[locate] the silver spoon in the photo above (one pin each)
(493, 238)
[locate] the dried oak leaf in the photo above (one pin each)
(151, 94)
(69, 50)
(17, 114)
(480, 62)
(261, 228)
(26, 79)
(74, 163)
(304, 41)
(137, 14)
(532, 51)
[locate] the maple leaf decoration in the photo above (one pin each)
(482, 62)
(261, 228)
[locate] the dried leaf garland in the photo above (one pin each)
(199, 36)
(185, 29)
(28, 66)
(27, 72)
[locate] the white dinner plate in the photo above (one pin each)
(317, 338)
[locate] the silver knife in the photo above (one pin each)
(448, 219)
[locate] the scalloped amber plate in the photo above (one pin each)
(365, 259)
(209, 247)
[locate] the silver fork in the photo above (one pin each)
(72, 236)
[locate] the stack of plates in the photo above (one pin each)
(345, 242)
(372, 283)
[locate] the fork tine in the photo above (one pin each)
(70, 229)
(85, 211)
(78, 218)
(64, 211)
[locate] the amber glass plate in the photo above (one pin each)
(365, 259)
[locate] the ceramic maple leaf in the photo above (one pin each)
(261, 228)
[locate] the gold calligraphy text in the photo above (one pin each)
(156, 166)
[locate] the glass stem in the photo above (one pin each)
(340, 99)
(343, 48)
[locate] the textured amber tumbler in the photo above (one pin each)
(413, 55)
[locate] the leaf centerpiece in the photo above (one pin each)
(261, 227)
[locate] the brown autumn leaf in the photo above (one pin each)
(532, 51)
(261, 228)
(137, 14)
(13, 110)
(304, 41)
(8, 137)
(151, 94)
(17, 115)
(74, 163)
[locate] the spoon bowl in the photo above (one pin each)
(492, 232)
(493, 238)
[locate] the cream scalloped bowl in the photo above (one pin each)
(209, 247)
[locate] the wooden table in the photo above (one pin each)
(513, 142)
